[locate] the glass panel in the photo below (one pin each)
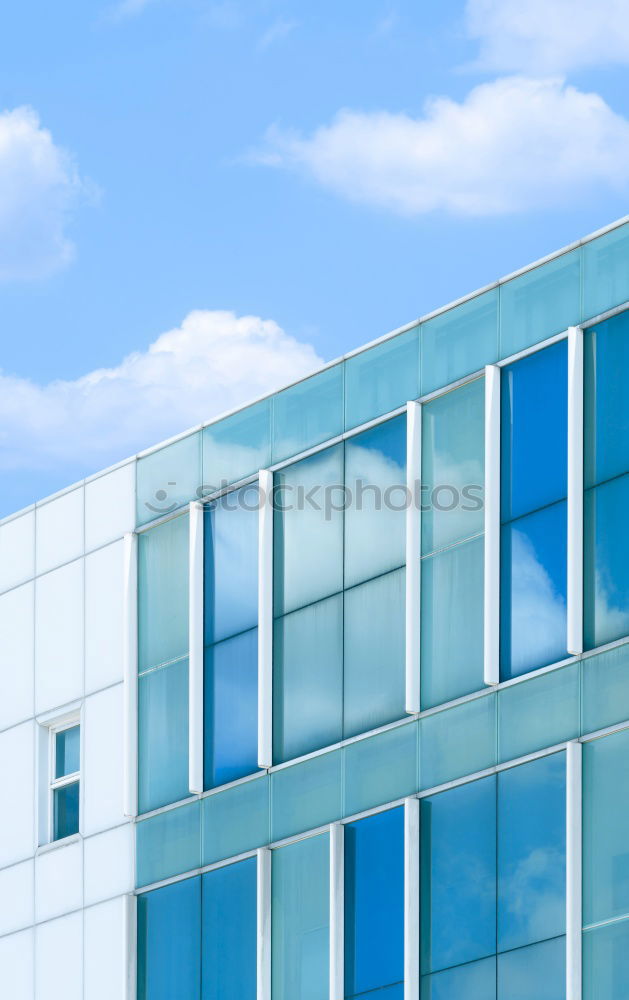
(534, 431)
(67, 751)
(606, 400)
(460, 341)
(66, 811)
(606, 272)
(231, 709)
(237, 446)
(453, 466)
(540, 303)
(306, 796)
(168, 844)
(532, 852)
(606, 562)
(374, 902)
(538, 713)
(605, 685)
(388, 993)
(229, 925)
(230, 586)
(380, 769)
(163, 736)
(382, 378)
(606, 962)
(308, 679)
(169, 942)
(606, 828)
(476, 981)
(236, 820)
(308, 413)
(308, 531)
(458, 875)
(533, 581)
(537, 971)
(458, 741)
(300, 920)
(375, 518)
(452, 623)
(163, 593)
(168, 478)
(374, 678)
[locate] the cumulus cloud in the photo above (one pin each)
(212, 362)
(512, 145)
(39, 189)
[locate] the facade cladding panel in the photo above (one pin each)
(262, 748)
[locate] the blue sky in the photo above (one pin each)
(173, 157)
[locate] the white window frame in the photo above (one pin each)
(51, 729)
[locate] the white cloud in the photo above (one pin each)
(542, 36)
(512, 145)
(128, 8)
(276, 32)
(39, 188)
(214, 361)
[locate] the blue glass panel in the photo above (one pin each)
(375, 518)
(168, 844)
(163, 736)
(228, 958)
(67, 751)
(374, 902)
(476, 981)
(163, 593)
(380, 769)
(538, 713)
(308, 531)
(452, 623)
(458, 875)
(169, 942)
(236, 447)
(538, 971)
(453, 466)
(457, 741)
(306, 796)
(374, 677)
(308, 679)
(606, 400)
(606, 828)
(168, 478)
(230, 587)
(605, 685)
(236, 820)
(606, 563)
(534, 431)
(533, 571)
(540, 303)
(606, 962)
(231, 709)
(308, 413)
(460, 341)
(606, 272)
(382, 378)
(66, 811)
(532, 852)
(388, 993)
(300, 920)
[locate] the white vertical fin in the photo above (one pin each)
(337, 912)
(413, 556)
(195, 686)
(265, 619)
(575, 490)
(411, 899)
(492, 526)
(130, 674)
(573, 870)
(264, 924)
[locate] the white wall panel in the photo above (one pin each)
(59, 958)
(108, 860)
(103, 616)
(105, 952)
(16, 897)
(109, 506)
(16, 655)
(16, 963)
(59, 637)
(17, 550)
(17, 753)
(103, 804)
(59, 531)
(59, 881)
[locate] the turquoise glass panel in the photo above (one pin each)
(538, 713)
(306, 795)
(606, 962)
(169, 942)
(453, 466)
(230, 584)
(606, 828)
(452, 623)
(163, 593)
(66, 811)
(236, 820)
(606, 400)
(460, 341)
(308, 531)
(308, 679)
(375, 516)
(382, 378)
(300, 929)
(168, 844)
(606, 563)
(229, 932)
(67, 751)
(380, 769)
(457, 741)
(374, 675)
(163, 736)
(230, 692)
(168, 478)
(606, 272)
(540, 303)
(236, 447)
(605, 687)
(308, 413)
(475, 981)
(538, 971)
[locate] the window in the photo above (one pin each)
(65, 760)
